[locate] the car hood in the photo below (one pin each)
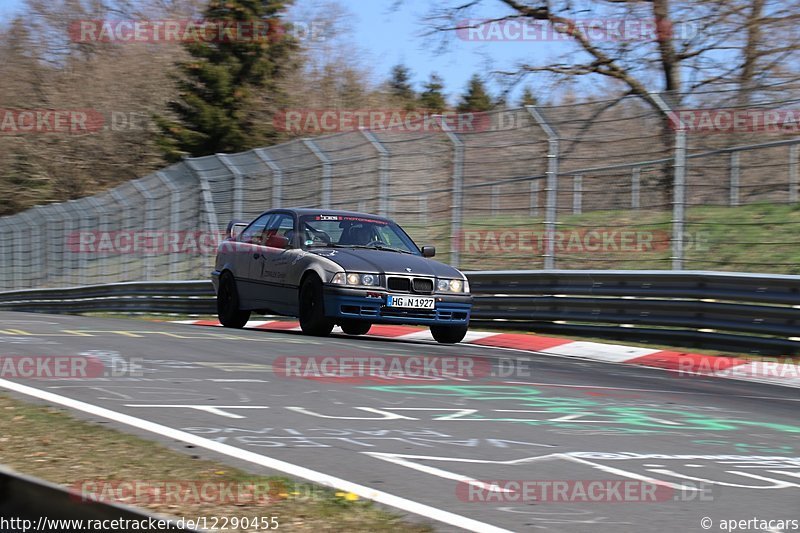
(384, 262)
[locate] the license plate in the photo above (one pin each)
(409, 301)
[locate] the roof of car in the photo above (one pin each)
(332, 212)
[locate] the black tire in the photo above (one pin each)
(356, 327)
(448, 334)
(228, 310)
(312, 309)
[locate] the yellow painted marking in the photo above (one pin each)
(127, 334)
(19, 332)
(74, 332)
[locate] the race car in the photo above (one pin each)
(340, 268)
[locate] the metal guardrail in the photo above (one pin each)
(27, 498)
(756, 313)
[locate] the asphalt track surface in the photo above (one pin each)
(715, 448)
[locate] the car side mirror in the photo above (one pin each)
(277, 241)
(235, 227)
(428, 251)
(237, 230)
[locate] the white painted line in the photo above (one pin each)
(282, 466)
(599, 351)
(424, 335)
(473, 336)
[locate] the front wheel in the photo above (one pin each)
(356, 327)
(312, 309)
(228, 310)
(448, 334)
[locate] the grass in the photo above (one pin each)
(50, 444)
(753, 238)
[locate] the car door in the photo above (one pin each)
(242, 256)
(271, 260)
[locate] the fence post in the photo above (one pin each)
(83, 261)
(534, 207)
(383, 172)
(577, 194)
(102, 228)
(208, 199)
(277, 176)
(238, 184)
(67, 222)
(149, 223)
(636, 188)
(327, 169)
(679, 187)
(551, 187)
(116, 195)
(35, 244)
(456, 212)
(174, 215)
(793, 174)
(734, 177)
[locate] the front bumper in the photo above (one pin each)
(350, 303)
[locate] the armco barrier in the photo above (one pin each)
(27, 498)
(756, 313)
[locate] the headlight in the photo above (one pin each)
(344, 278)
(452, 285)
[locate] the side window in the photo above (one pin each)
(252, 233)
(282, 225)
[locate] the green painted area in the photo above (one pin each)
(576, 412)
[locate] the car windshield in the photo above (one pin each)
(355, 232)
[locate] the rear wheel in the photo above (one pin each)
(228, 310)
(356, 327)
(448, 334)
(312, 309)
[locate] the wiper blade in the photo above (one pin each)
(390, 249)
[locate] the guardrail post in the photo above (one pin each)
(456, 212)
(636, 188)
(327, 171)
(793, 174)
(277, 176)
(383, 172)
(735, 170)
(208, 199)
(174, 215)
(551, 187)
(5, 256)
(679, 185)
(238, 184)
(577, 194)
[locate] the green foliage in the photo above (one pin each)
(528, 98)
(477, 97)
(229, 88)
(432, 97)
(400, 87)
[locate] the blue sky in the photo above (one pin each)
(386, 32)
